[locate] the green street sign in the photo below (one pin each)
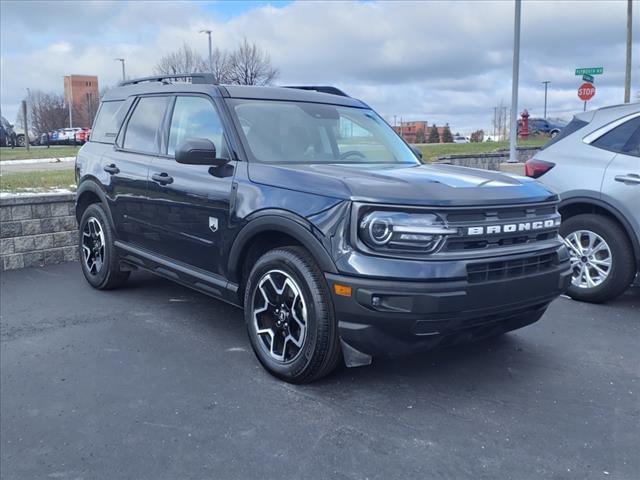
(590, 71)
(587, 78)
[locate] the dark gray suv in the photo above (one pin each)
(302, 206)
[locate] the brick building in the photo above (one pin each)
(82, 92)
(409, 131)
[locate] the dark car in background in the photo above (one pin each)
(541, 126)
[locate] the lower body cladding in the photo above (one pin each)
(393, 318)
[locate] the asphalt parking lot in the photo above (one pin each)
(158, 382)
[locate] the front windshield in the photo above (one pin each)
(300, 132)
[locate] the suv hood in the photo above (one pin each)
(444, 185)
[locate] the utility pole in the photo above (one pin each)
(513, 130)
(627, 75)
(208, 32)
(121, 60)
(546, 83)
(70, 100)
(26, 125)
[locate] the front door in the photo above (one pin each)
(621, 182)
(190, 203)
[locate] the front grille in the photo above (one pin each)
(494, 271)
(498, 216)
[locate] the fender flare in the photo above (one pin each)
(613, 211)
(92, 186)
(295, 227)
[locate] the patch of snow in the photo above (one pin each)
(38, 160)
(35, 192)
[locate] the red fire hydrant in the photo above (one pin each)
(524, 128)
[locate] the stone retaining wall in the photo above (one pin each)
(37, 230)
(488, 161)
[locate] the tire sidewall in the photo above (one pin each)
(99, 279)
(599, 225)
(276, 260)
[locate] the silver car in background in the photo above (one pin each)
(594, 164)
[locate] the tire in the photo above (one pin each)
(613, 255)
(20, 141)
(96, 242)
(289, 276)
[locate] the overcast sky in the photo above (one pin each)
(439, 61)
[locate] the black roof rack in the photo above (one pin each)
(196, 78)
(320, 88)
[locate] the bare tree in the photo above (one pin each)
(500, 121)
(221, 66)
(246, 65)
(250, 65)
(183, 60)
(48, 111)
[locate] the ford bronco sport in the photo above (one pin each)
(302, 206)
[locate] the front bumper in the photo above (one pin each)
(390, 317)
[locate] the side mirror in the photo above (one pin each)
(198, 151)
(416, 151)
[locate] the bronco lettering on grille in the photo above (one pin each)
(514, 227)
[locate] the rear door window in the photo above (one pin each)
(108, 122)
(621, 139)
(144, 127)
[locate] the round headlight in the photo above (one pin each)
(412, 232)
(380, 230)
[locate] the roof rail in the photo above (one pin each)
(320, 88)
(199, 78)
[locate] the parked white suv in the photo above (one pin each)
(594, 164)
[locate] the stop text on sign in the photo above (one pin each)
(586, 91)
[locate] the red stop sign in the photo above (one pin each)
(586, 91)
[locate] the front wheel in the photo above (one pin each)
(601, 257)
(100, 263)
(289, 316)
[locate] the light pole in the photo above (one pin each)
(121, 60)
(208, 32)
(627, 76)
(513, 130)
(546, 83)
(26, 119)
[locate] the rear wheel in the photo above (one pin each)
(20, 141)
(289, 316)
(98, 257)
(601, 257)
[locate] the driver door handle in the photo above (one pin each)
(162, 178)
(628, 178)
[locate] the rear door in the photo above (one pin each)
(621, 183)
(128, 167)
(190, 204)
